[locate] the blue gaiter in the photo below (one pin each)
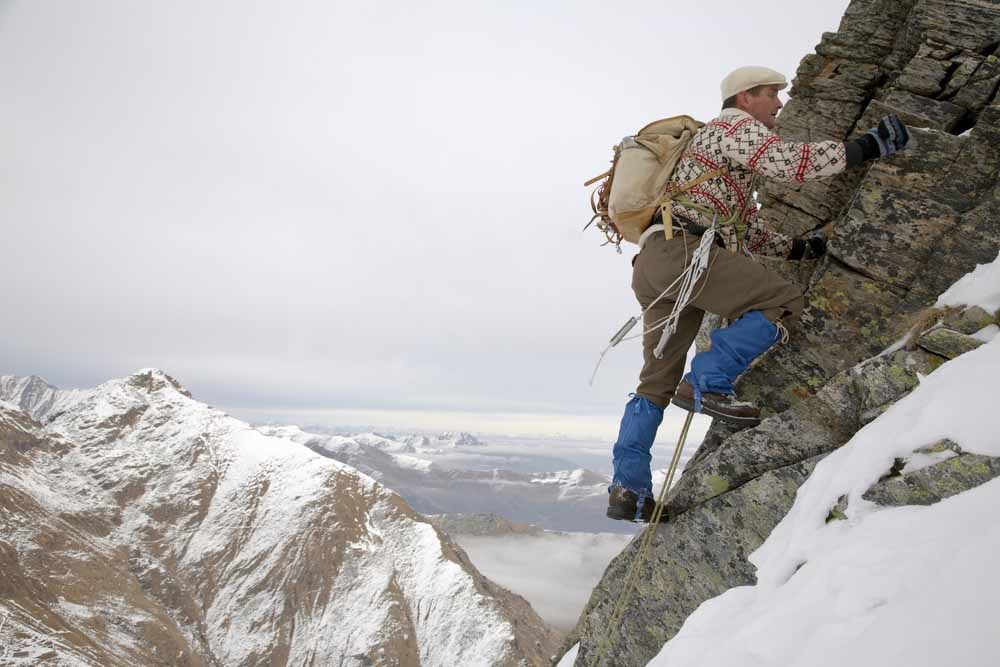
(631, 453)
(733, 349)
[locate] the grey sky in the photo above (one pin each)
(341, 205)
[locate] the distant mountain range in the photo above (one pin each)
(569, 500)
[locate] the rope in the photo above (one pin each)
(660, 322)
(699, 265)
(622, 336)
(625, 597)
(691, 274)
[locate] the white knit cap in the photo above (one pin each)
(746, 78)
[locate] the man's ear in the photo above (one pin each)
(742, 100)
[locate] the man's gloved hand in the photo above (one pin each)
(811, 247)
(890, 134)
(888, 137)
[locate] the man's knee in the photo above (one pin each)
(791, 302)
(793, 307)
(659, 397)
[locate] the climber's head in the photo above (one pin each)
(754, 90)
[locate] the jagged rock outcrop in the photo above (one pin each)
(140, 527)
(903, 230)
(932, 474)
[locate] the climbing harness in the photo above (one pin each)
(628, 588)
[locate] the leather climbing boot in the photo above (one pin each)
(721, 406)
(622, 505)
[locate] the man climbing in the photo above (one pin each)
(756, 301)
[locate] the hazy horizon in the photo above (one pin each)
(584, 428)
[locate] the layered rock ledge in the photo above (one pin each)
(903, 230)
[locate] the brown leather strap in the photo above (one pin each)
(596, 178)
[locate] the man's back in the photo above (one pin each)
(743, 146)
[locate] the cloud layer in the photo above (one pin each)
(555, 572)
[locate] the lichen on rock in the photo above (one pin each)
(902, 231)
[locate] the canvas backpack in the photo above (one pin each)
(637, 185)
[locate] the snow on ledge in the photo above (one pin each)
(980, 287)
(906, 585)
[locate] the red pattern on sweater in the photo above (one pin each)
(737, 126)
(800, 175)
(763, 149)
(719, 206)
(745, 147)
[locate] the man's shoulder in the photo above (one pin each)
(729, 119)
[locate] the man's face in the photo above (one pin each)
(763, 106)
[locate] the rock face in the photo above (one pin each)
(903, 230)
(140, 527)
(933, 473)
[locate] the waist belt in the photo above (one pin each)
(682, 224)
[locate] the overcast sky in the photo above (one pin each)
(319, 205)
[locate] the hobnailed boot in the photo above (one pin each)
(722, 407)
(708, 388)
(622, 505)
(631, 455)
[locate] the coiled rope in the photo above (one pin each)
(683, 286)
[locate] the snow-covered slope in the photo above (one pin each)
(910, 585)
(142, 527)
(573, 500)
(888, 555)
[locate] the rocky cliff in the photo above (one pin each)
(140, 527)
(903, 230)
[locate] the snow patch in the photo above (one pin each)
(980, 287)
(901, 585)
(987, 333)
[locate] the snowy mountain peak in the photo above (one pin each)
(29, 393)
(153, 379)
(144, 527)
(460, 439)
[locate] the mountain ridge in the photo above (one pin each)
(220, 545)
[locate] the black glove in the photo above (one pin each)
(886, 138)
(812, 247)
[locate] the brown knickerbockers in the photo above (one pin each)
(733, 285)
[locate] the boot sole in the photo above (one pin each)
(705, 410)
(620, 515)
